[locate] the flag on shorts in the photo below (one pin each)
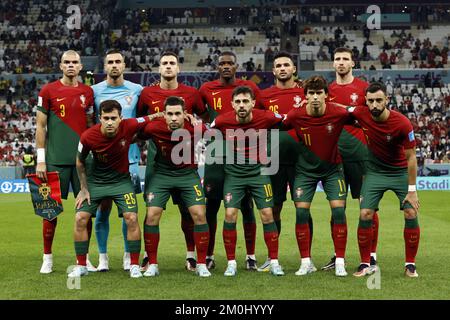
(46, 196)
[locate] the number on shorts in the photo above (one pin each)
(268, 190)
(342, 187)
(307, 139)
(197, 190)
(130, 200)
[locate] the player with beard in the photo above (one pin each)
(217, 95)
(151, 102)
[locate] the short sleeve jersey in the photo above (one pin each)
(386, 140)
(218, 96)
(319, 137)
(111, 163)
(352, 94)
(282, 101)
(153, 97)
(127, 95)
(243, 140)
(67, 109)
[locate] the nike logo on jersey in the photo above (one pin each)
(214, 93)
(272, 101)
(301, 128)
(60, 99)
(155, 102)
(331, 99)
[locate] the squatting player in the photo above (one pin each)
(110, 178)
(242, 177)
(318, 125)
(115, 87)
(64, 112)
(217, 95)
(169, 177)
(286, 95)
(392, 166)
(151, 102)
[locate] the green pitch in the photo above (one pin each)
(21, 257)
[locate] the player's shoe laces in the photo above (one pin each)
(210, 263)
(78, 271)
(134, 271)
(306, 268)
(363, 270)
(144, 264)
(250, 264)
(276, 269)
(191, 264)
(90, 267)
(339, 270)
(47, 264)
(126, 261)
(231, 270)
(202, 271)
(152, 271)
(410, 271)
(103, 263)
(330, 265)
(265, 267)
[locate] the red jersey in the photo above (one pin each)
(319, 136)
(352, 94)
(218, 96)
(160, 133)
(110, 154)
(228, 125)
(387, 140)
(152, 99)
(67, 109)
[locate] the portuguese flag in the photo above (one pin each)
(46, 196)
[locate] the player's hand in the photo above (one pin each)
(82, 195)
(413, 199)
(41, 171)
(192, 119)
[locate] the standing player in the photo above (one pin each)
(247, 176)
(151, 102)
(318, 125)
(64, 111)
(217, 95)
(110, 178)
(286, 95)
(350, 91)
(168, 178)
(392, 166)
(115, 87)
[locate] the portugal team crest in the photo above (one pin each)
(297, 101)
(123, 143)
(208, 188)
(388, 138)
(83, 101)
(150, 196)
(298, 192)
(128, 99)
(330, 128)
(354, 97)
(228, 197)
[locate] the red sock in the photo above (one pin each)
(151, 246)
(48, 232)
(340, 239)
(302, 233)
(364, 243)
(250, 236)
(229, 240)
(187, 225)
(201, 244)
(271, 240)
(412, 238)
(81, 259)
(375, 233)
(212, 237)
(134, 257)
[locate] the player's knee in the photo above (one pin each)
(81, 221)
(131, 219)
(266, 215)
(338, 215)
(366, 214)
(231, 215)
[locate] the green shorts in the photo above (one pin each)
(122, 193)
(333, 183)
(67, 176)
(354, 172)
(235, 188)
(375, 184)
(213, 181)
(284, 177)
(162, 186)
